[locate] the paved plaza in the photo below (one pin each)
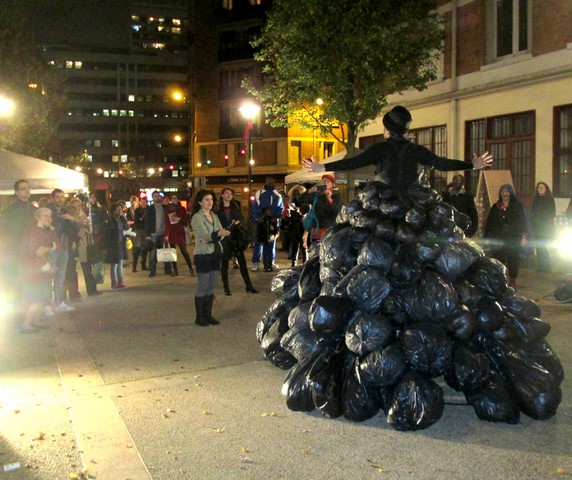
(127, 387)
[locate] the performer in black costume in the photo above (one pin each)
(397, 160)
(393, 296)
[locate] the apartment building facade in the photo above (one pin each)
(505, 85)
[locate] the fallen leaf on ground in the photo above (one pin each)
(218, 430)
(305, 451)
(40, 436)
(560, 471)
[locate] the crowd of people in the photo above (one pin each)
(44, 241)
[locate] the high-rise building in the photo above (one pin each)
(126, 112)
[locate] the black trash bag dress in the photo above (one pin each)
(392, 297)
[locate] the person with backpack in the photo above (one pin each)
(325, 204)
(397, 160)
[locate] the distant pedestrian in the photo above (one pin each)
(155, 226)
(294, 209)
(542, 216)
(178, 220)
(265, 198)
(463, 202)
(266, 234)
(114, 245)
(326, 202)
(208, 251)
(506, 232)
(230, 215)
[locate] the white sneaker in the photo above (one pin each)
(276, 266)
(48, 312)
(64, 307)
(255, 267)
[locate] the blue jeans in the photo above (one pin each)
(60, 276)
(116, 273)
(258, 253)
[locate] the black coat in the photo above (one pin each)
(237, 241)
(114, 240)
(325, 211)
(464, 203)
(508, 226)
(542, 217)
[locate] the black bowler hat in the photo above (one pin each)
(397, 120)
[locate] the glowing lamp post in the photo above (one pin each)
(249, 112)
(6, 107)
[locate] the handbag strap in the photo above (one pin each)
(166, 244)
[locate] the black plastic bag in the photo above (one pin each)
(272, 349)
(427, 252)
(392, 208)
(376, 253)
(528, 329)
(405, 271)
(279, 310)
(366, 287)
(461, 323)
(357, 404)
(405, 234)
(285, 283)
(468, 370)
(535, 388)
(489, 315)
(337, 251)
(369, 198)
(393, 308)
(297, 388)
(422, 196)
(300, 341)
(416, 218)
(416, 404)
(326, 380)
(300, 315)
(358, 236)
(541, 353)
(385, 229)
(329, 278)
(467, 293)
(432, 299)
(493, 400)
(521, 307)
(440, 214)
(455, 258)
(366, 219)
(489, 275)
(330, 315)
(384, 368)
(368, 332)
(427, 348)
(309, 284)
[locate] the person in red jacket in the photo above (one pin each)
(175, 231)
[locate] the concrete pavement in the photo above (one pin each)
(128, 387)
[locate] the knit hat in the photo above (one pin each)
(397, 120)
(329, 177)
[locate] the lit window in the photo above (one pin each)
(115, 158)
(130, 98)
(89, 143)
(78, 64)
(89, 158)
(97, 143)
(161, 20)
(131, 113)
(150, 20)
(136, 27)
(115, 143)
(106, 112)
(122, 113)
(123, 158)
(52, 62)
(106, 174)
(176, 30)
(176, 21)
(69, 64)
(114, 113)
(160, 28)
(134, 18)
(175, 173)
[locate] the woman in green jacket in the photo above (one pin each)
(208, 232)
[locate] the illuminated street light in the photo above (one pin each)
(77, 169)
(177, 96)
(7, 107)
(249, 111)
(177, 138)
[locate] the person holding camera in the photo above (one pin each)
(325, 202)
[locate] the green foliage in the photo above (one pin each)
(33, 123)
(350, 54)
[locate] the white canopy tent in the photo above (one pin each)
(43, 176)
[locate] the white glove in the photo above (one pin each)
(129, 233)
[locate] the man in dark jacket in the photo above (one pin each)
(266, 197)
(155, 225)
(458, 197)
(14, 222)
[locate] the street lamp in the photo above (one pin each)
(6, 106)
(249, 112)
